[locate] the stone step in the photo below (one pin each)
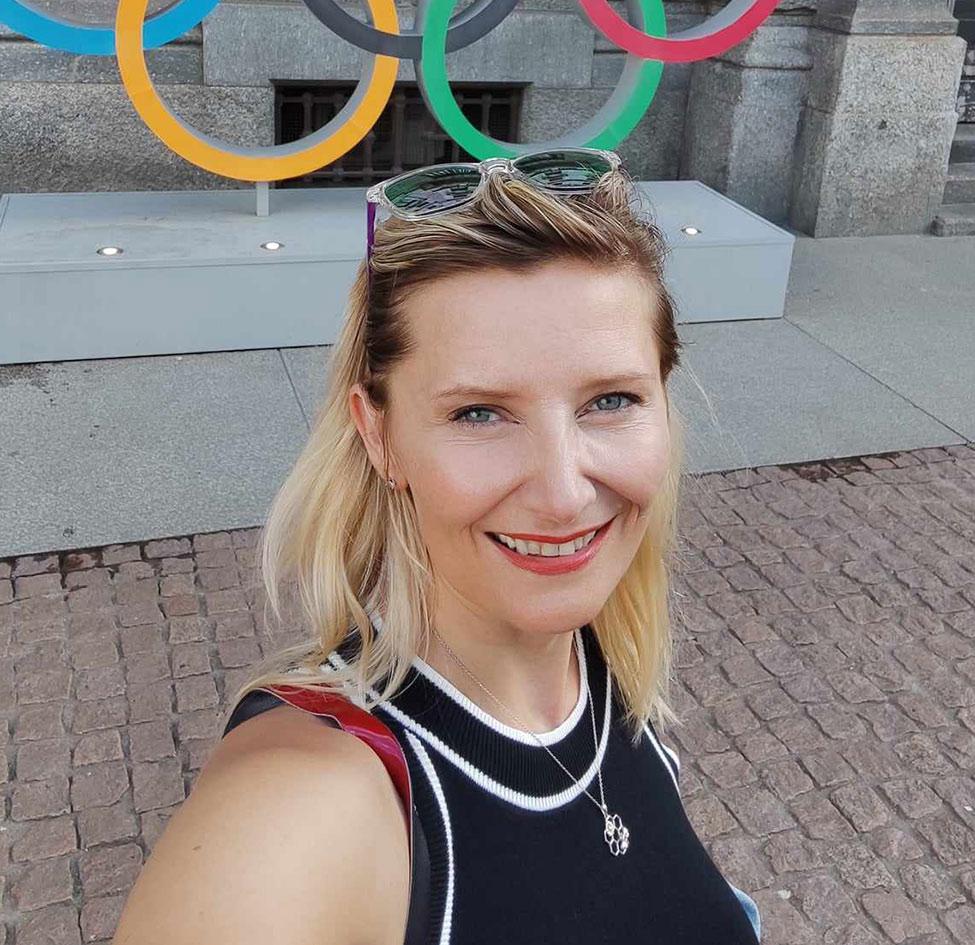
(963, 145)
(955, 219)
(960, 186)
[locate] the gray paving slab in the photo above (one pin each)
(98, 452)
(763, 392)
(902, 308)
(308, 369)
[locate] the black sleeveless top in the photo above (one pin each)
(516, 850)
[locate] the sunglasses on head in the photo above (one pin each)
(440, 188)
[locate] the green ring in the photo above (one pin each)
(626, 106)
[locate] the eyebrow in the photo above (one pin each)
(494, 393)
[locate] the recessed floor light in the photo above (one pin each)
(690, 230)
(109, 251)
(272, 245)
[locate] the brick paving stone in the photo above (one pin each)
(99, 682)
(107, 870)
(136, 592)
(41, 839)
(861, 806)
(40, 721)
(98, 785)
(175, 585)
(897, 916)
(953, 842)
(99, 714)
(32, 800)
(710, 817)
(860, 867)
(107, 824)
(151, 741)
(176, 566)
(786, 779)
(930, 887)
(43, 883)
(825, 679)
(912, 797)
(157, 784)
(132, 571)
(195, 692)
(33, 564)
(824, 900)
(53, 925)
(211, 541)
(150, 701)
(191, 659)
(99, 917)
(103, 745)
(168, 547)
(43, 758)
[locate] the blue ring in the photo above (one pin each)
(87, 40)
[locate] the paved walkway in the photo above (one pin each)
(827, 686)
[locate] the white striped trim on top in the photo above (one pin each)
(516, 734)
(519, 799)
(437, 788)
(661, 748)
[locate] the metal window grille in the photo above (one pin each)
(406, 136)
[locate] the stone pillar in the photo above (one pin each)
(743, 113)
(879, 117)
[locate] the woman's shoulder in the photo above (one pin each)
(291, 806)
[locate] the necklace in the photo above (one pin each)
(615, 833)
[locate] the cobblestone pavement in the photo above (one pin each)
(826, 668)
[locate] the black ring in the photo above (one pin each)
(465, 28)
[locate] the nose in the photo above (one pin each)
(559, 485)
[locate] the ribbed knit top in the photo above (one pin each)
(517, 852)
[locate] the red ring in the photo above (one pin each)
(672, 48)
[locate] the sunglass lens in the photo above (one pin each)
(435, 189)
(564, 170)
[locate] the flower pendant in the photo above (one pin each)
(616, 835)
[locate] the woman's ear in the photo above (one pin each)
(369, 421)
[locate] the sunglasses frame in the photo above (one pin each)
(376, 194)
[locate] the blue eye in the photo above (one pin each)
(462, 416)
(616, 396)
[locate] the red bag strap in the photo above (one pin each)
(364, 725)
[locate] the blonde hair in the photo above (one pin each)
(350, 547)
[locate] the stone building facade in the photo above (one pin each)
(837, 117)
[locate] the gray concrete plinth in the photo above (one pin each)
(878, 122)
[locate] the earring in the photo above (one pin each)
(391, 482)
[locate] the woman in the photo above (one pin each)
(479, 530)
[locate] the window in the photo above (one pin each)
(406, 136)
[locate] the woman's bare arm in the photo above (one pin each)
(293, 834)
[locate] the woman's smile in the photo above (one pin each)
(551, 558)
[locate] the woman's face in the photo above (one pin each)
(531, 406)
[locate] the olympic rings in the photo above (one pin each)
(86, 40)
(714, 36)
(468, 27)
(329, 143)
(611, 124)
(441, 31)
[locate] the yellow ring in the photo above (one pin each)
(257, 163)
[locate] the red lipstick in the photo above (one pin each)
(554, 539)
(557, 564)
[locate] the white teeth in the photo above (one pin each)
(544, 549)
